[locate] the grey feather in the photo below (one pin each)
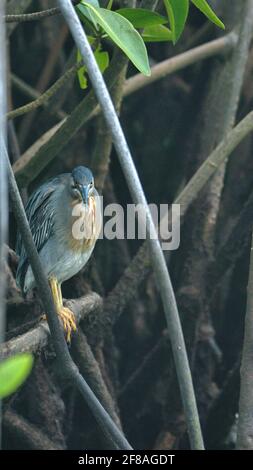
(50, 215)
(40, 214)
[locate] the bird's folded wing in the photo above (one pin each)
(40, 214)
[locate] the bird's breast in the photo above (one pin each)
(85, 227)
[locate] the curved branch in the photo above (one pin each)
(32, 162)
(90, 369)
(28, 432)
(67, 367)
(4, 209)
(38, 15)
(19, 8)
(37, 338)
(127, 286)
(44, 97)
(172, 65)
(245, 434)
(158, 261)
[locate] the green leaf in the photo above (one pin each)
(122, 32)
(109, 6)
(81, 73)
(203, 6)
(102, 58)
(177, 12)
(157, 33)
(13, 372)
(85, 13)
(140, 18)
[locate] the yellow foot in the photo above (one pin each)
(67, 317)
(68, 320)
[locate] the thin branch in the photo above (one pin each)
(223, 410)
(45, 97)
(34, 161)
(38, 15)
(90, 369)
(4, 212)
(216, 118)
(133, 84)
(67, 367)
(27, 432)
(245, 431)
(15, 153)
(100, 160)
(3, 184)
(138, 81)
(51, 143)
(231, 249)
(172, 65)
(24, 87)
(38, 337)
(44, 79)
(127, 286)
(213, 162)
(158, 261)
(18, 8)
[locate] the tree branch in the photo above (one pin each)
(232, 247)
(28, 432)
(101, 155)
(17, 7)
(158, 261)
(38, 15)
(127, 286)
(172, 65)
(4, 209)
(32, 162)
(37, 338)
(67, 367)
(34, 94)
(245, 432)
(90, 369)
(44, 97)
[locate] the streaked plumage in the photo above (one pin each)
(51, 212)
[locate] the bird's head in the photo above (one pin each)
(82, 184)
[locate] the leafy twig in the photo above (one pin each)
(34, 161)
(166, 67)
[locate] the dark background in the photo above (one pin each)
(171, 127)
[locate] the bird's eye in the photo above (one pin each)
(74, 192)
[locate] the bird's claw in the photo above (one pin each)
(68, 320)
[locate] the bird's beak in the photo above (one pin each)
(85, 194)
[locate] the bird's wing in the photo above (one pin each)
(40, 215)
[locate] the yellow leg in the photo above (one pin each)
(59, 293)
(66, 315)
